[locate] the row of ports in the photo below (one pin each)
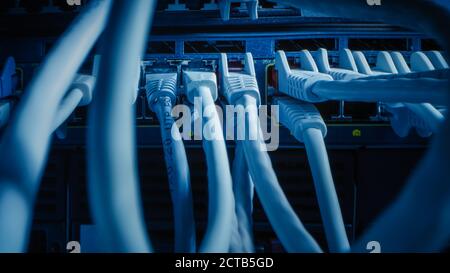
(331, 111)
(291, 45)
(29, 48)
(287, 45)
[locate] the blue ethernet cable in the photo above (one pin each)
(201, 90)
(26, 141)
(161, 90)
(419, 219)
(7, 78)
(8, 83)
(306, 125)
(113, 187)
(241, 89)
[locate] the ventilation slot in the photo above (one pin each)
(161, 47)
(430, 44)
(379, 44)
(309, 44)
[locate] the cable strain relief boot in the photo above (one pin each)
(235, 85)
(193, 80)
(299, 116)
(161, 85)
(296, 83)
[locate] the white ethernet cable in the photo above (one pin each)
(81, 91)
(400, 63)
(318, 87)
(113, 187)
(202, 87)
(243, 187)
(161, 90)
(307, 126)
(424, 116)
(241, 89)
(26, 141)
(384, 63)
(437, 59)
(236, 85)
(418, 220)
(80, 94)
(431, 116)
(347, 71)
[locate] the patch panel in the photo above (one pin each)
(262, 48)
(363, 148)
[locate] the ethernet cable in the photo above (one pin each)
(26, 141)
(422, 209)
(347, 71)
(8, 78)
(315, 87)
(80, 94)
(201, 90)
(243, 188)
(437, 60)
(161, 90)
(241, 89)
(113, 186)
(420, 62)
(400, 63)
(300, 84)
(437, 66)
(424, 116)
(429, 114)
(384, 64)
(307, 126)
